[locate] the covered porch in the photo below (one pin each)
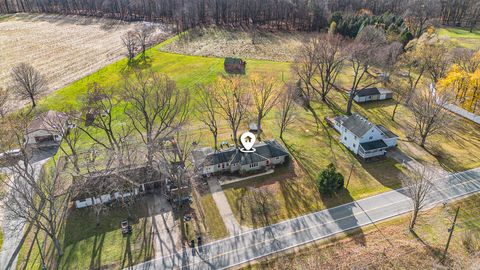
(372, 149)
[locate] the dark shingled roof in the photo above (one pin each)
(232, 60)
(378, 144)
(387, 132)
(368, 92)
(263, 150)
(357, 124)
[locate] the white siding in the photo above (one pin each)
(83, 203)
(350, 140)
(372, 135)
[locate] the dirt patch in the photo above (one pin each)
(221, 42)
(63, 48)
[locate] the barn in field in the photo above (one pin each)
(234, 65)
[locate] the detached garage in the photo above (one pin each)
(373, 94)
(46, 129)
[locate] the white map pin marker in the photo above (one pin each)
(247, 139)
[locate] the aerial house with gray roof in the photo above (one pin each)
(267, 154)
(363, 137)
(372, 94)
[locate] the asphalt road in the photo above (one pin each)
(278, 237)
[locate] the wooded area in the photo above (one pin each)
(281, 14)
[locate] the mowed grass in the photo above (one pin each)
(87, 246)
(390, 245)
(213, 220)
(461, 37)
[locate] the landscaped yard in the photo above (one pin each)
(87, 246)
(461, 37)
(390, 245)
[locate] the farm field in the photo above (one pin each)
(62, 48)
(461, 37)
(369, 248)
(221, 42)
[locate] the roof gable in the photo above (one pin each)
(357, 124)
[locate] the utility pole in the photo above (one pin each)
(350, 175)
(450, 235)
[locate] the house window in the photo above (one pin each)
(355, 137)
(254, 165)
(353, 145)
(219, 165)
(371, 137)
(345, 138)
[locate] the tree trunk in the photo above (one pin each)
(413, 221)
(422, 143)
(394, 111)
(56, 243)
(349, 104)
(259, 127)
(215, 139)
(32, 98)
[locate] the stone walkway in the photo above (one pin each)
(223, 206)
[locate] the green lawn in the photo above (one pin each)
(213, 220)
(87, 246)
(461, 37)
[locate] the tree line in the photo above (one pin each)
(281, 14)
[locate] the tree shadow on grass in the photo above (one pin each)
(385, 170)
(96, 255)
(434, 251)
(343, 215)
(127, 254)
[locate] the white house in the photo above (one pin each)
(46, 129)
(372, 94)
(363, 137)
(108, 186)
(267, 154)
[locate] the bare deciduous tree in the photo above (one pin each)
(265, 97)
(437, 61)
(70, 135)
(419, 15)
(429, 113)
(233, 101)
(28, 83)
(264, 204)
(417, 185)
(317, 66)
(98, 112)
(415, 67)
(286, 109)
(208, 111)
(156, 108)
(143, 35)
(37, 194)
(129, 40)
(360, 56)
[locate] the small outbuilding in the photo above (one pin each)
(46, 129)
(373, 94)
(234, 65)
